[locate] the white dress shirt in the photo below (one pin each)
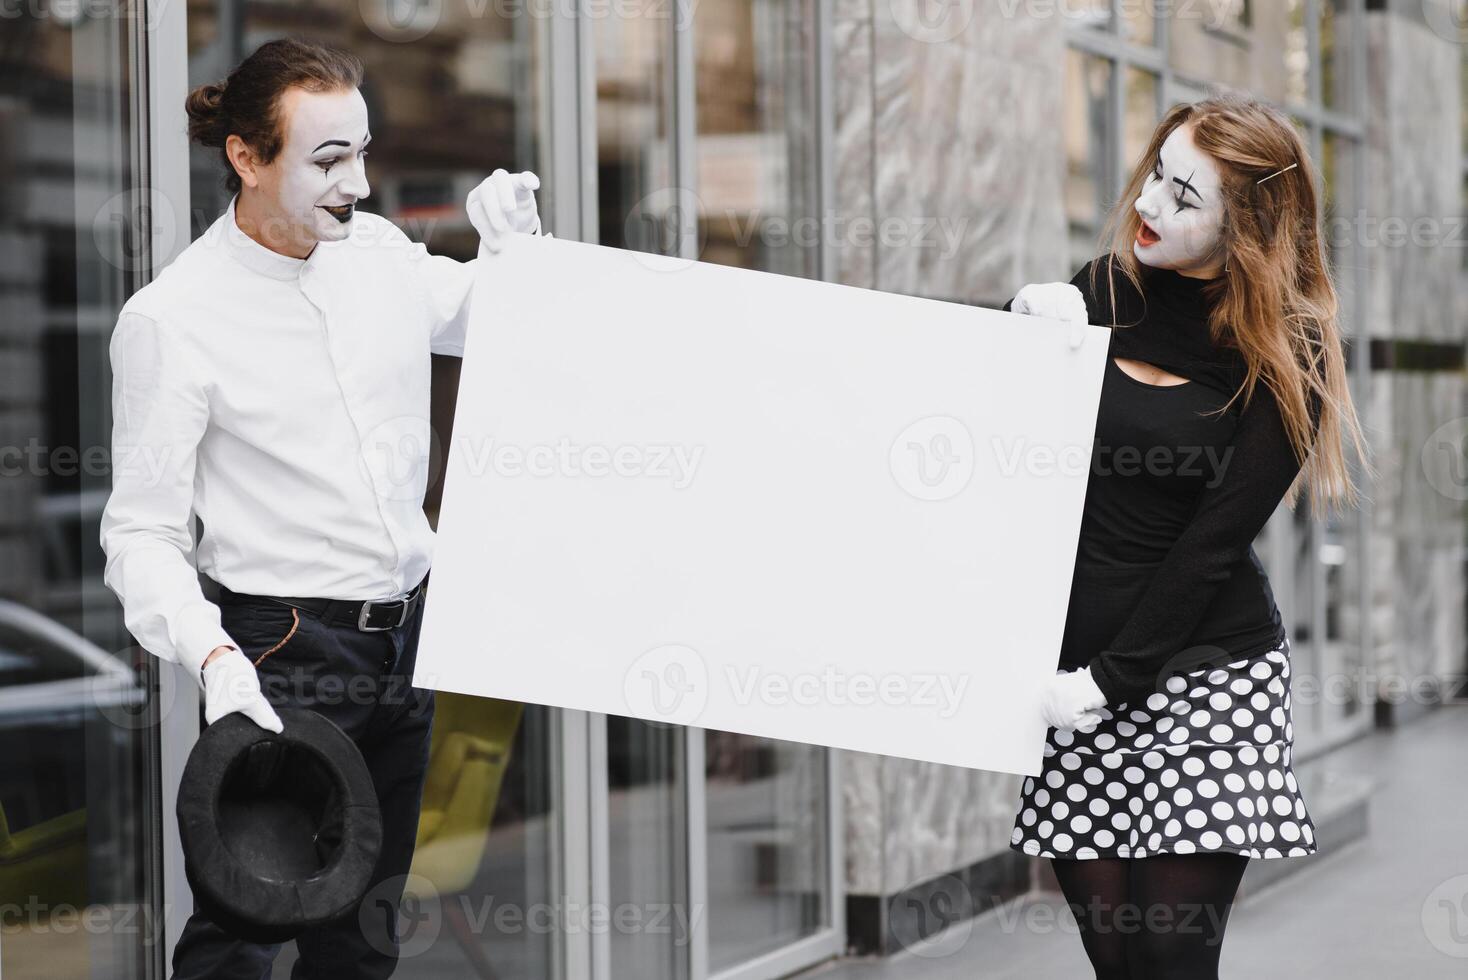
(285, 401)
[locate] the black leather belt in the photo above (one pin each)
(368, 615)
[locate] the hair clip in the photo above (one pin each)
(1276, 173)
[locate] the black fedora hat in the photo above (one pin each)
(280, 832)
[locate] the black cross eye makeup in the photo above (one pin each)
(1184, 186)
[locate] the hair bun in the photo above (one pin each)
(207, 123)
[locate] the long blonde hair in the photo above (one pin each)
(1275, 302)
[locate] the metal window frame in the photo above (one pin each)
(1346, 123)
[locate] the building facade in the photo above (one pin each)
(953, 149)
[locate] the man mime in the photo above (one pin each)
(271, 380)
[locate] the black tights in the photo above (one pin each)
(1152, 918)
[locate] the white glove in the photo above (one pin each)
(230, 685)
(503, 205)
(1055, 300)
(1069, 700)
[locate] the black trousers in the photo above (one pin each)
(363, 682)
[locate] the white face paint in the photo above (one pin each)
(1181, 207)
(313, 185)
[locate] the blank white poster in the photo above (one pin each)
(741, 501)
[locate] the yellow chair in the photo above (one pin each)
(47, 861)
(472, 741)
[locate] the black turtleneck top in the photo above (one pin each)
(1166, 579)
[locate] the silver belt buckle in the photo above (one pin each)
(366, 611)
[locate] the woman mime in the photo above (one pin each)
(1168, 763)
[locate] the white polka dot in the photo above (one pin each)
(1042, 797)
(1222, 810)
(1126, 729)
(1105, 740)
(1080, 823)
(1045, 828)
(1210, 840)
(1104, 838)
(1017, 836)
(1183, 847)
(1076, 792)
(1219, 759)
(1175, 685)
(1099, 807)
(1154, 842)
(1183, 796)
(1150, 791)
(1199, 718)
(1163, 809)
(1217, 677)
(1060, 810)
(1260, 671)
(1196, 818)
(1243, 717)
(1262, 733)
(1235, 833)
(1152, 760)
(1221, 733)
(1121, 820)
(1207, 788)
(1064, 736)
(1164, 723)
(1114, 790)
(1246, 806)
(1154, 703)
(1172, 829)
(1053, 779)
(1289, 830)
(1070, 760)
(1086, 853)
(1179, 735)
(1133, 775)
(1233, 782)
(1193, 766)
(1219, 701)
(1240, 686)
(1061, 842)
(1169, 778)
(1260, 701)
(1111, 760)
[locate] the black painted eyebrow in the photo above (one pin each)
(342, 143)
(1186, 186)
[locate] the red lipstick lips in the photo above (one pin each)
(1146, 235)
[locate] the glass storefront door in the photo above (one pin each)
(78, 702)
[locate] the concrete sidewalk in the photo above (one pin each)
(1392, 904)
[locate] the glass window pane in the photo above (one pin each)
(647, 831)
(756, 148)
(1139, 116)
(1087, 81)
(638, 207)
(1297, 54)
(77, 813)
(767, 843)
(1089, 14)
(1139, 20)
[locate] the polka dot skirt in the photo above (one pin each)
(1204, 767)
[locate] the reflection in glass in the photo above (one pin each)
(647, 830)
(767, 833)
(638, 206)
(78, 745)
(756, 134)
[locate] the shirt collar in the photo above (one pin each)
(254, 256)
